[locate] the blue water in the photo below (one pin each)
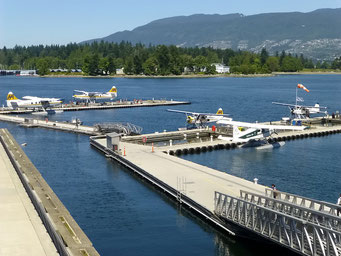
(124, 216)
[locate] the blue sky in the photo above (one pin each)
(64, 21)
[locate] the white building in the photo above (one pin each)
(221, 68)
(120, 71)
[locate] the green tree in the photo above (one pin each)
(264, 55)
(150, 66)
(336, 64)
(90, 66)
(290, 64)
(272, 63)
(129, 65)
(104, 66)
(14, 67)
(200, 63)
(42, 67)
(211, 70)
(163, 57)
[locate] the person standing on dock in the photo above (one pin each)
(273, 186)
(339, 205)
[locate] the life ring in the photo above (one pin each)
(144, 139)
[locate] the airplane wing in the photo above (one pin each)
(293, 105)
(285, 104)
(92, 94)
(195, 113)
(30, 98)
(261, 126)
(84, 92)
(184, 112)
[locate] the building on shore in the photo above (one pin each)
(221, 68)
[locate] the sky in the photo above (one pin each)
(64, 21)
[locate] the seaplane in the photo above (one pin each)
(93, 96)
(200, 120)
(42, 105)
(298, 111)
(254, 134)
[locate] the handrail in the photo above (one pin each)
(294, 233)
(303, 201)
(308, 214)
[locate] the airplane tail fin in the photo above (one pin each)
(10, 96)
(113, 90)
(220, 111)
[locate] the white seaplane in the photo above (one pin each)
(254, 134)
(93, 96)
(42, 105)
(301, 111)
(199, 120)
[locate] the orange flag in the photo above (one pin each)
(303, 87)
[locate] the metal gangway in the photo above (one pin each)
(301, 226)
(122, 128)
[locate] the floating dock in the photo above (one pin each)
(238, 206)
(33, 221)
(101, 106)
(54, 125)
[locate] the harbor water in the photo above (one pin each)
(123, 215)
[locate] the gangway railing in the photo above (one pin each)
(294, 233)
(312, 215)
(321, 206)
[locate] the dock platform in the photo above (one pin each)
(33, 221)
(235, 205)
(100, 106)
(61, 126)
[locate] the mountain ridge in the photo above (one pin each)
(315, 34)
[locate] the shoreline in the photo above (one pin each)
(198, 75)
(168, 76)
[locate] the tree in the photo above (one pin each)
(290, 64)
(163, 57)
(129, 66)
(272, 63)
(42, 67)
(211, 70)
(90, 66)
(111, 65)
(104, 66)
(14, 67)
(200, 63)
(150, 66)
(263, 56)
(336, 64)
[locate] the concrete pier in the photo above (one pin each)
(190, 183)
(103, 105)
(33, 221)
(62, 126)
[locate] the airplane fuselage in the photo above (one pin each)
(32, 102)
(100, 96)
